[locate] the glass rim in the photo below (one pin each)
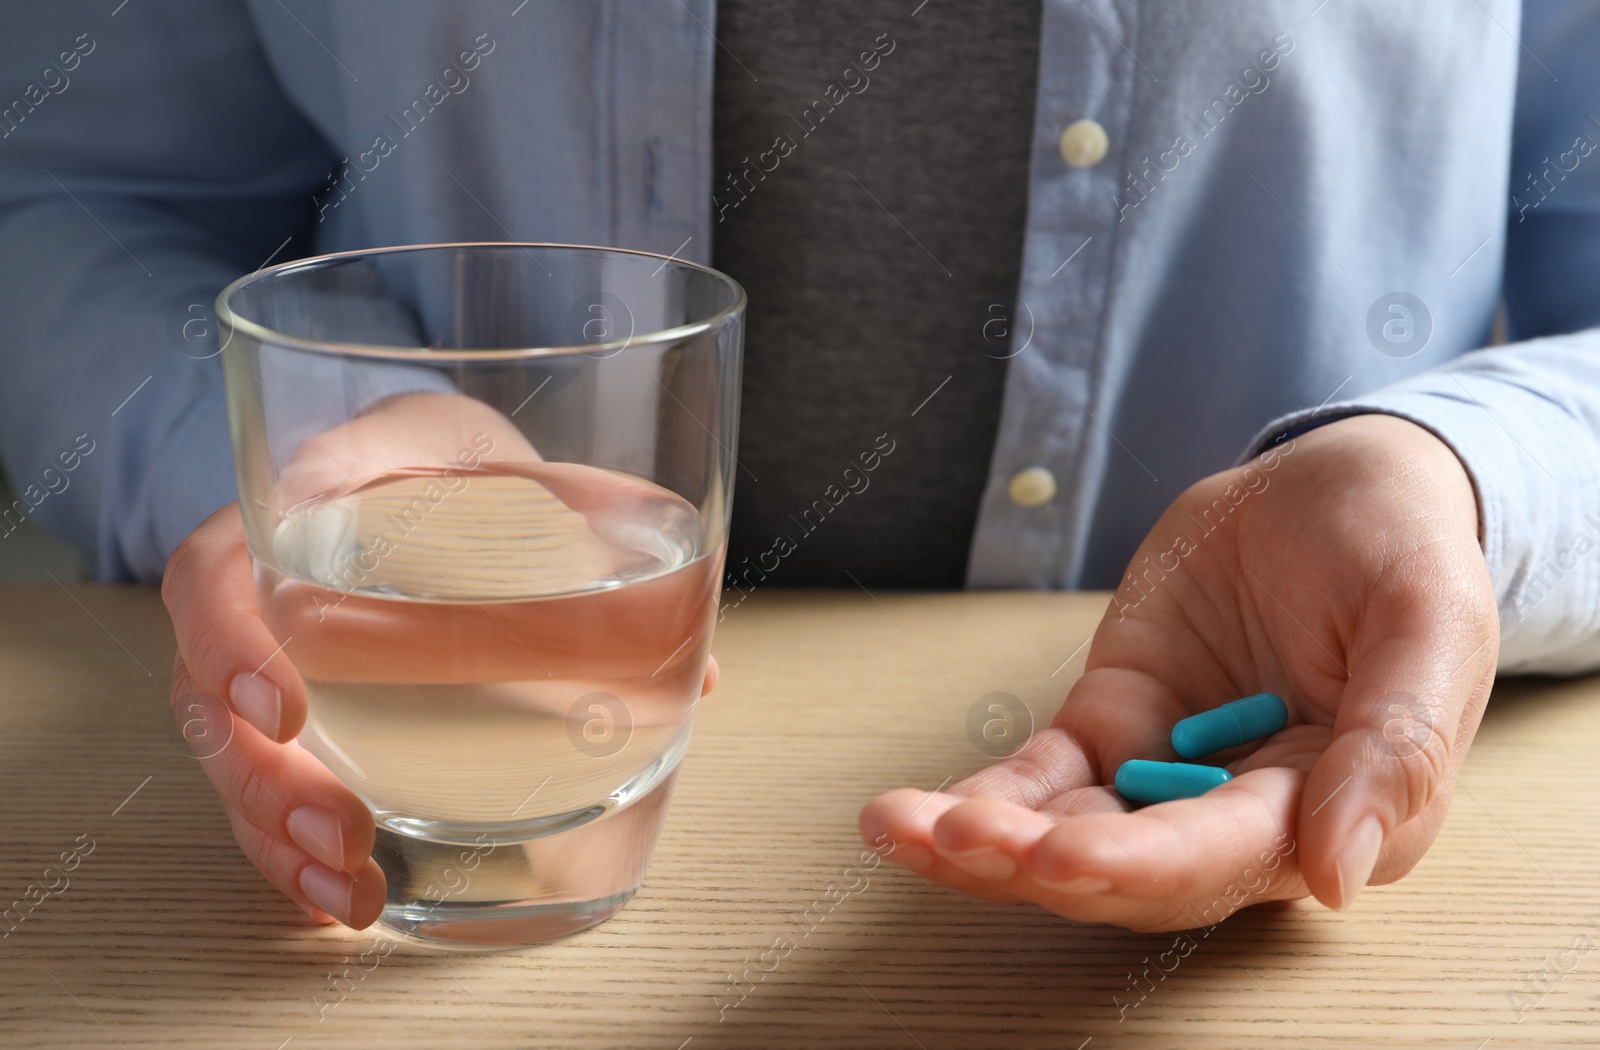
(265, 334)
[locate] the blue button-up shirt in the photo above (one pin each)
(1308, 208)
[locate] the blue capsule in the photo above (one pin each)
(1230, 725)
(1142, 781)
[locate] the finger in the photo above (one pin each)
(324, 893)
(986, 837)
(427, 431)
(1164, 867)
(1048, 764)
(1110, 716)
(1189, 848)
(906, 818)
(209, 591)
(284, 791)
(713, 674)
(993, 838)
(1405, 718)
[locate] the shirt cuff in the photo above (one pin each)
(1525, 428)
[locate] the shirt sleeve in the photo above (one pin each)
(150, 158)
(1524, 418)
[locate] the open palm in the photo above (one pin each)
(1341, 571)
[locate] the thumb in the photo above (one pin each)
(1406, 717)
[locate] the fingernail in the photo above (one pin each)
(320, 833)
(910, 855)
(258, 701)
(1357, 859)
(985, 862)
(328, 890)
(1081, 884)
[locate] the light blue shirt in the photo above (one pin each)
(1307, 208)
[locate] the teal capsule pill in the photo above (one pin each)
(1142, 781)
(1230, 725)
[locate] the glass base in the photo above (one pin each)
(508, 894)
(497, 927)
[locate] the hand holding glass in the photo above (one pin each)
(486, 492)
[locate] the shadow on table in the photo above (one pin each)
(938, 969)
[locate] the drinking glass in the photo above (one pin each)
(486, 491)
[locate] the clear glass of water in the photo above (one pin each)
(486, 489)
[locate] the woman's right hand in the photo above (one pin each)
(302, 829)
(307, 833)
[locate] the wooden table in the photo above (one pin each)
(165, 937)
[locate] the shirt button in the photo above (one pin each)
(1083, 144)
(1032, 487)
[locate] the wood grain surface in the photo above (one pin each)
(166, 937)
